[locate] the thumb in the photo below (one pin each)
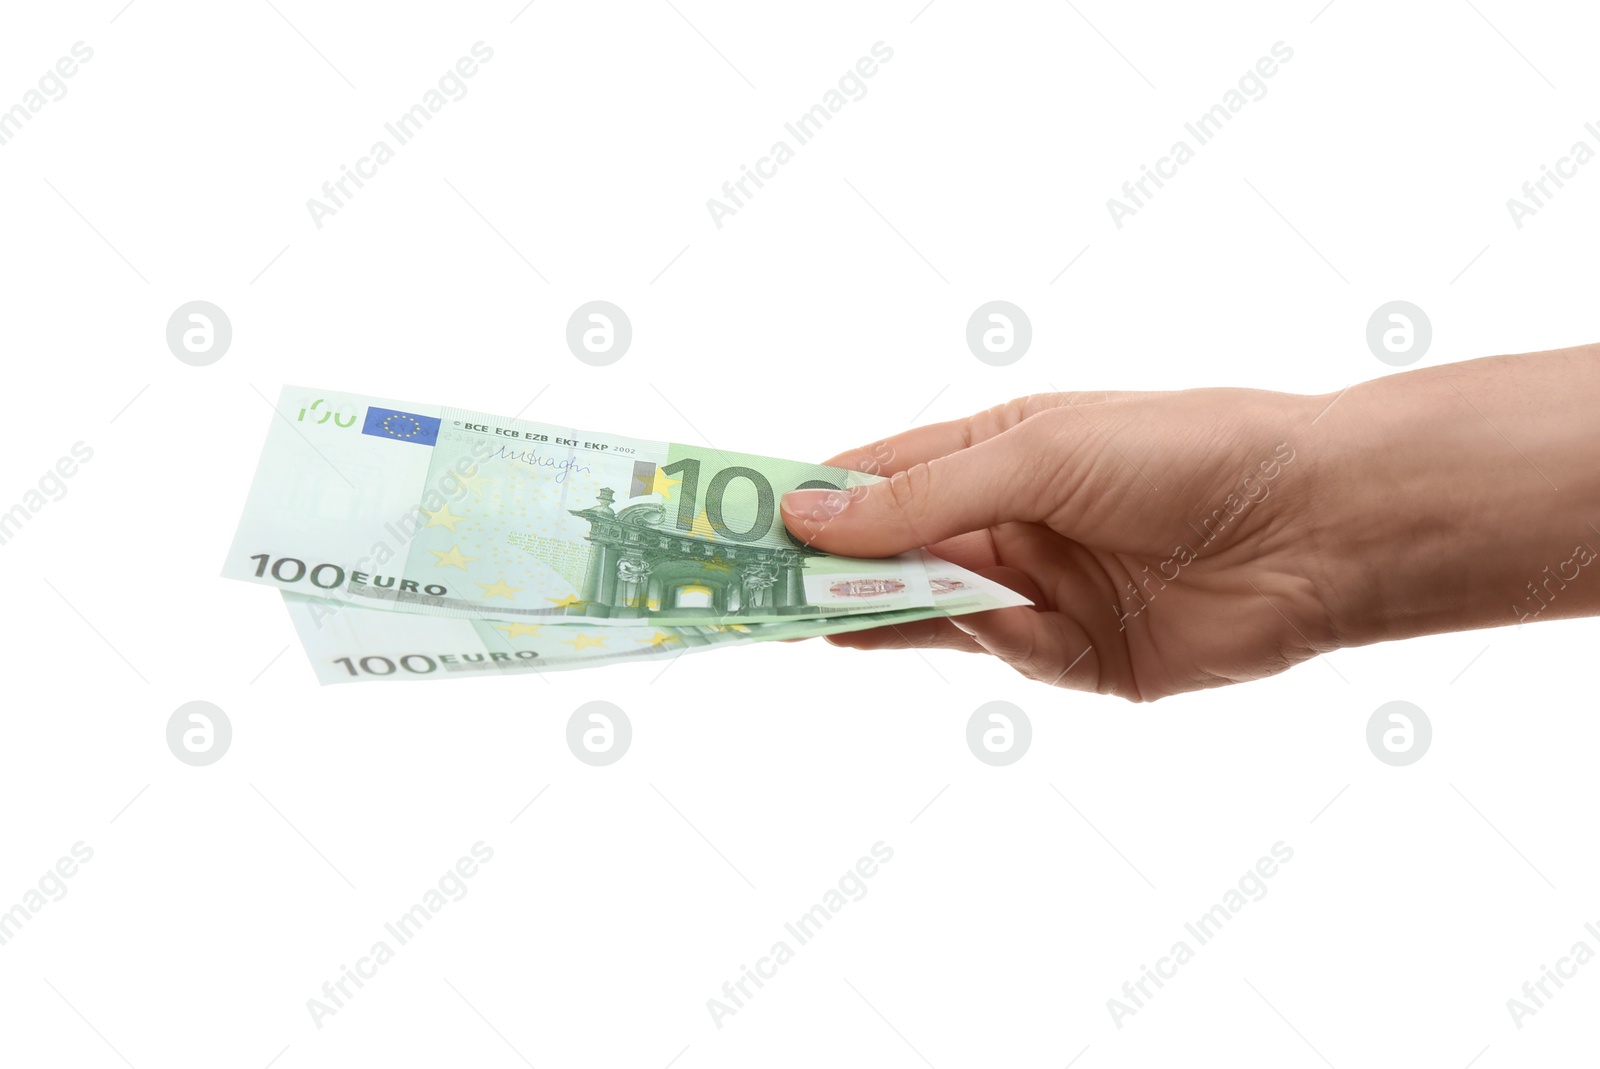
(999, 480)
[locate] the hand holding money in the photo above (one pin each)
(622, 548)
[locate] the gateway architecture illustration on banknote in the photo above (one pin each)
(640, 567)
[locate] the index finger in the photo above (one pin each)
(919, 445)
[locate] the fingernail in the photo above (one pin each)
(818, 504)
(959, 625)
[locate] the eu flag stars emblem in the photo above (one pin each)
(401, 426)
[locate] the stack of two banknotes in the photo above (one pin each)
(422, 542)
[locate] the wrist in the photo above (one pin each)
(1459, 497)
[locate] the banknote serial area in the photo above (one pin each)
(420, 542)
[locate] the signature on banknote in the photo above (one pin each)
(565, 465)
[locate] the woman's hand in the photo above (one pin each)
(1174, 541)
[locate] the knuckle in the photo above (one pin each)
(1015, 411)
(993, 422)
(1051, 424)
(908, 493)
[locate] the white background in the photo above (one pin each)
(828, 312)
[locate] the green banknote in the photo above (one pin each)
(436, 511)
(347, 643)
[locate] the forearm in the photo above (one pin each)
(1461, 496)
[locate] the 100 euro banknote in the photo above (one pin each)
(432, 510)
(349, 644)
